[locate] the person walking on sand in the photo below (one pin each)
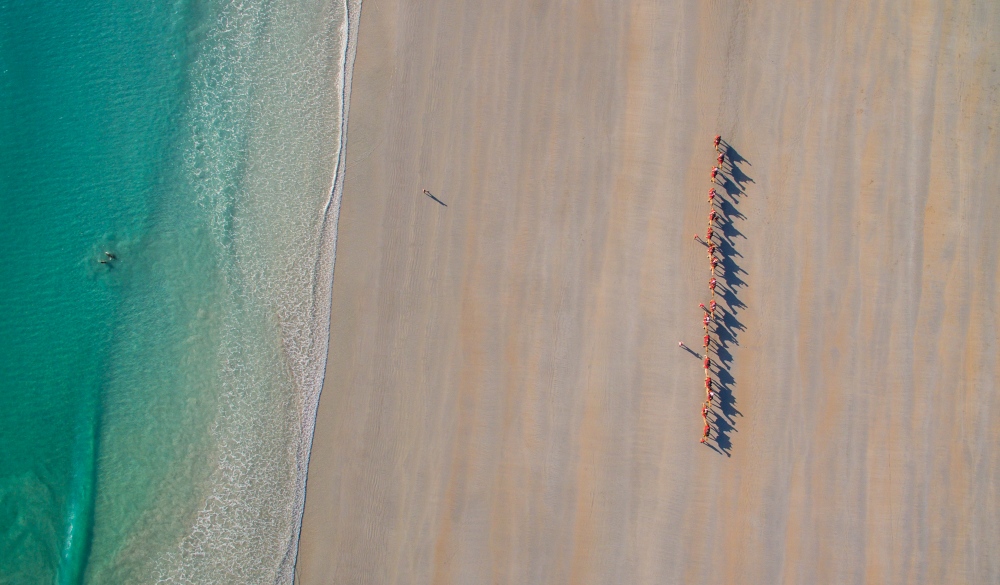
(708, 234)
(711, 284)
(715, 171)
(718, 139)
(721, 158)
(706, 340)
(711, 305)
(715, 262)
(711, 194)
(705, 321)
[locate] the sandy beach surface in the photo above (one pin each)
(505, 399)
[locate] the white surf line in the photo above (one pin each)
(322, 297)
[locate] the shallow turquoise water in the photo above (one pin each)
(153, 409)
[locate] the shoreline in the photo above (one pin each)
(331, 217)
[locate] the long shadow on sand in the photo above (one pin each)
(727, 326)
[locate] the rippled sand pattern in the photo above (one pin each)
(505, 401)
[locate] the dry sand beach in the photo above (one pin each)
(505, 400)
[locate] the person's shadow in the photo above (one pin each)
(727, 326)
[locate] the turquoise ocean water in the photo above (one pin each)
(156, 411)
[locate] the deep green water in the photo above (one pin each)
(155, 410)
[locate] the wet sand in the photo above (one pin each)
(505, 400)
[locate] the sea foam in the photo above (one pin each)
(286, 70)
(239, 258)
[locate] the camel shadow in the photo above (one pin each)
(738, 176)
(732, 155)
(726, 412)
(727, 325)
